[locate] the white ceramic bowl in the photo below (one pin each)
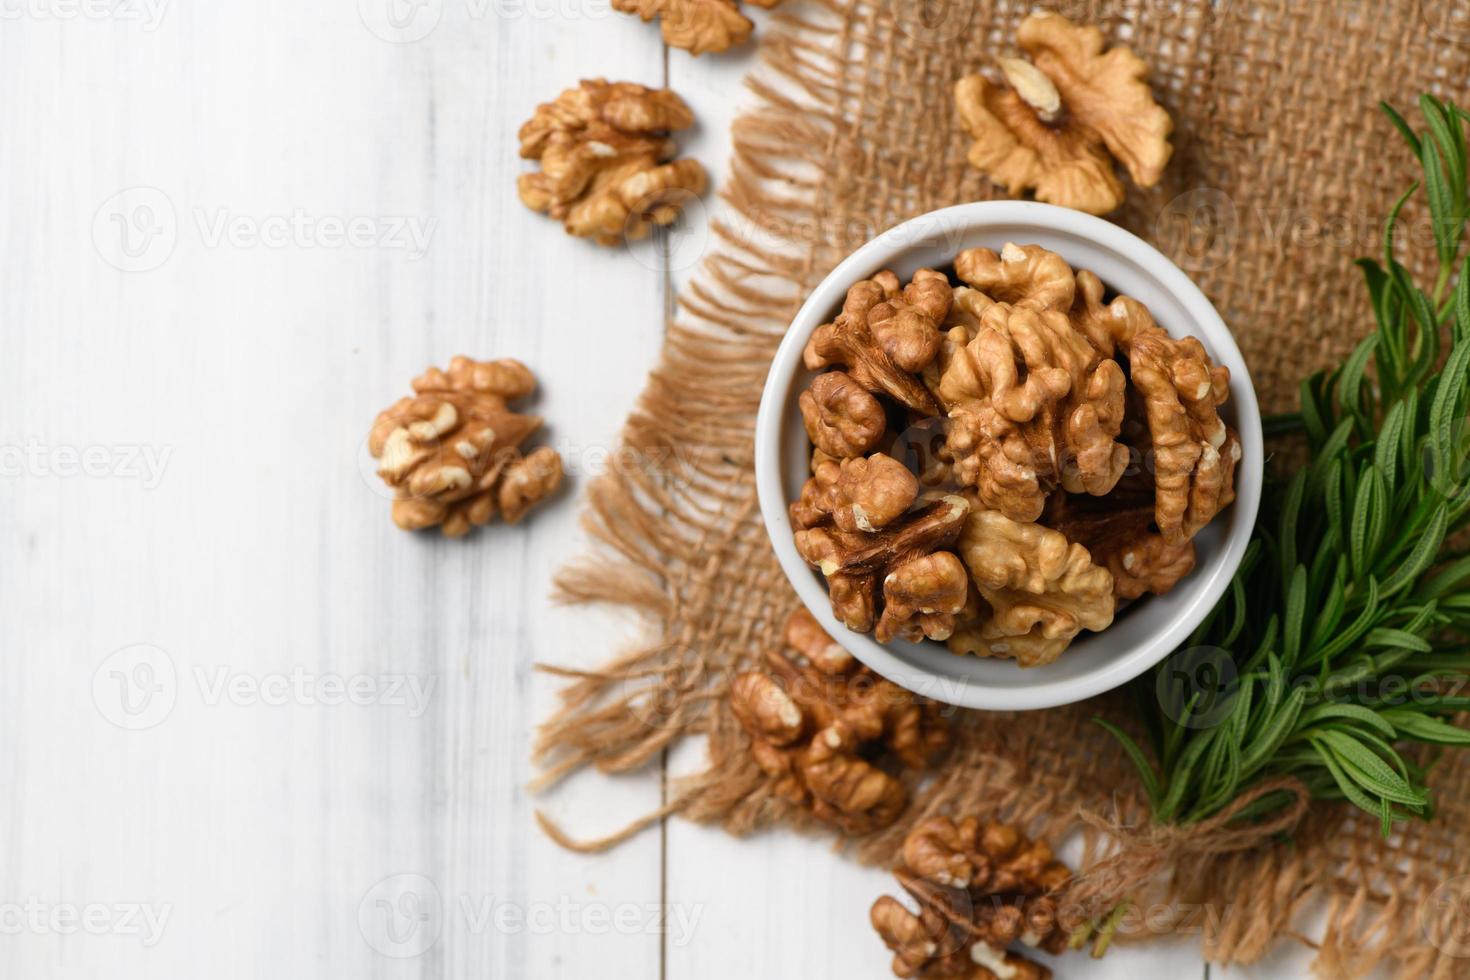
(1144, 634)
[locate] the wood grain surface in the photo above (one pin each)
(247, 727)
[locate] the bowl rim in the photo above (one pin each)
(883, 251)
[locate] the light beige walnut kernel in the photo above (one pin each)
(1022, 275)
(1039, 590)
(921, 598)
(849, 341)
(842, 418)
(607, 167)
(818, 729)
(857, 565)
(452, 451)
(979, 887)
(1032, 406)
(1118, 532)
(696, 26)
(871, 493)
(1057, 123)
(1193, 453)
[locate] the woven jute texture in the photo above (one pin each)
(1283, 171)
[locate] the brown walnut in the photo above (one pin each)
(607, 167)
(1192, 452)
(1059, 120)
(979, 888)
(860, 567)
(1038, 589)
(842, 419)
(822, 731)
(452, 451)
(901, 318)
(1032, 404)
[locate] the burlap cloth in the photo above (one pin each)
(1283, 171)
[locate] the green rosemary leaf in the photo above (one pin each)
(1332, 610)
(1311, 415)
(1366, 618)
(1450, 140)
(1441, 201)
(1386, 448)
(1290, 510)
(1419, 560)
(1396, 640)
(1348, 787)
(1139, 760)
(1296, 610)
(1401, 126)
(1275, 732)
(1452, 577)
(1351, 712)
(1350, 391)
(1368, 769)
(1462, 303)
(1391, 224)
(1367, 523)
(1334, 500)
(1332, 447)
(1182, 774)
(1425, 728)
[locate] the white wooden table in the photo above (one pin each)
(247, 727)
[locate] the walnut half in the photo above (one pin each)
(1037, 591)
(1060, 119)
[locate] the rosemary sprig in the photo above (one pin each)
(1344, 636)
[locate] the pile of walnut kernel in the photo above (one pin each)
(1080, 451)
(829, 734)
(979, 888)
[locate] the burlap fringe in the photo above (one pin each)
(682, 544)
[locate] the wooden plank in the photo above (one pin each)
(262, 551)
